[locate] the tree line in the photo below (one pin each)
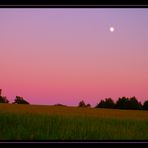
(17, 100)
(121, 103)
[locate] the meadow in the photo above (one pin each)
(42, 122)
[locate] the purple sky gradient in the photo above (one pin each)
(51, 56)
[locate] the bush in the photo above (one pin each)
(20, 100)
(88, 105)
(145, 105)
(3, 100)
(82, 104)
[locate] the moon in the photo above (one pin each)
(111, 29)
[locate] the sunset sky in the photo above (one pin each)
(65, 55)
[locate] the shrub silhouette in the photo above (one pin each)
(3, 99)
(59, 105)
(88, 105)
(145, 105)
(108, 103)
(20, 100)
(82, 104)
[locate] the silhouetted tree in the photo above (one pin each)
(122, 103)
(82, 104)
(128, 103)
(140, 106)
(3, 99)
(108, 103)
(145, 105)
(88, 105)
(133, 103)
(20, 100)
(101, 104)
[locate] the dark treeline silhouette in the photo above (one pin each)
(145, 105)
(107, 103)
(121, 103)
(18, 99)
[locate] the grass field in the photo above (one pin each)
(36, 122)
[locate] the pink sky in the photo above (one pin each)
(51, 56)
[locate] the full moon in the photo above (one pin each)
(111, 29)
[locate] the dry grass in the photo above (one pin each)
(37, 122)
(75, 111)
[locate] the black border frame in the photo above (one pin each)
(75, 4)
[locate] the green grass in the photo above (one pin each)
(34, 122)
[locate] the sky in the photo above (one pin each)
(65, 55)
